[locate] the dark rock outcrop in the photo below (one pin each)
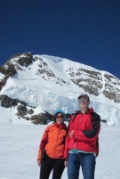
(22, 110)
(41, 118)
(94, 82)
(7, 102)
(26, 60)
(2, 83)
(67, 117)
(30, 111)
(7, 70)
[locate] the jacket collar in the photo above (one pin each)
(90, 111)
(61, 126)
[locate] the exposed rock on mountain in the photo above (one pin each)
(32, 84)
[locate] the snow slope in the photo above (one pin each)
(48, 84)
(19, 145)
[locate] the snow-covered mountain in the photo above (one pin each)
(32, 84)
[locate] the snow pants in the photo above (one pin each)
(48, 164)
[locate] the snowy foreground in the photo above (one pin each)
(19, 145)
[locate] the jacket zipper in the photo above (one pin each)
(56, 142)
(80, 122)
(78, 127)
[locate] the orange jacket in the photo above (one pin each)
(53, 141)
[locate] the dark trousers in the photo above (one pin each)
(48, 164)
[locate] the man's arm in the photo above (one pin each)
(89, 135)
(95, 127)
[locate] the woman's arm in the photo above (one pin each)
(44, 138)
(43, 143)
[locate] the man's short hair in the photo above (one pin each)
(84, 95)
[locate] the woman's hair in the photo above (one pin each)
(58, 112)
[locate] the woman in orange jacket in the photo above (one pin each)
(51, 149)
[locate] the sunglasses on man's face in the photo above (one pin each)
(59, 117)
(83, 100)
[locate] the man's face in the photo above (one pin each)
(83, 102)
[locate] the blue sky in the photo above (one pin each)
(87, 31)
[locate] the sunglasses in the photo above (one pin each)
(59, 117)
(83, 100)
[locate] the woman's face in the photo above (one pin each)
(59, 118)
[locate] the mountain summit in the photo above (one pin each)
(34, 84)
